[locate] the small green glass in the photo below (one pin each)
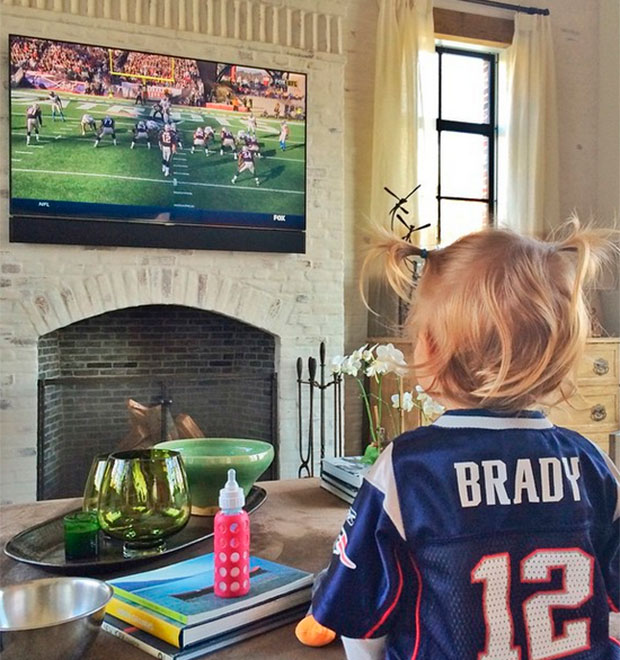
(81, 531)
(144, 498)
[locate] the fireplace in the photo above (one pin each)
(219, 370)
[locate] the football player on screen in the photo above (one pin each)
(157, 110)
(177, 134)
(209, 138)
(107, 127)
(87, 121)
(251, 142)
(283, 137)
(56, 104)
(245, 163)
(227, 140)
(251, 124)
(168, 147)
(140, 132)
(200, 140)
(33, 121)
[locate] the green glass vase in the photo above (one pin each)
(144, 498)
(90, 501)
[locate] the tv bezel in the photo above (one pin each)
(146, 233)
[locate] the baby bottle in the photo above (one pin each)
(231, 542)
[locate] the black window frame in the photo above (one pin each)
(489, 130)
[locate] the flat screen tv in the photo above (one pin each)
(123, 147)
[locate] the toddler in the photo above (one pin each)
(491, 534)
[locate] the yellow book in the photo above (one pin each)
(151, 622)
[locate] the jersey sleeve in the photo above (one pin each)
(359, 596)
(610, 561)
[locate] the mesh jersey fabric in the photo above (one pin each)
(481, 537)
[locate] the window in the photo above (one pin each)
(466, 133)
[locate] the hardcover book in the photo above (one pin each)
(180, 636)
(183, 591)
(347, 469)
(160, 649)
(334, 489)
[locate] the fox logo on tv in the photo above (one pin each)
(279, 218)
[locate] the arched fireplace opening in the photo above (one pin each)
(217, 370)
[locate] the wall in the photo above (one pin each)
(608, 103)
(297, 298)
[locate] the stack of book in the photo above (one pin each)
(173, 614)
(343, 476)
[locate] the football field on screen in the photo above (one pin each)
(64, 165)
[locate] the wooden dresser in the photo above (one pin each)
(594, 411)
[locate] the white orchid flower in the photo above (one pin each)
(376, 368)
(337, 364)
(359, 353)
(368, 355)
(430, 407)
(391, 359)
(351, 364)
(408, 403)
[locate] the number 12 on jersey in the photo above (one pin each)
(493, 571)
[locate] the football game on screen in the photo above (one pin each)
(109, 133)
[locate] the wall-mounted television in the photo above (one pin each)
(123, 147)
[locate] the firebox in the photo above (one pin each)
(217, 370)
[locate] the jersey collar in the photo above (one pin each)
(488, 419)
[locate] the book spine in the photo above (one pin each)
(150, 605)
(145, 620)
(138, 643)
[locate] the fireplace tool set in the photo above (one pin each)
(307, 388)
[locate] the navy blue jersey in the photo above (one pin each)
(481, 537)
(107, 122)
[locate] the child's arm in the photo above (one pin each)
(371, 576)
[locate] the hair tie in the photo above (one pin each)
(424, 253)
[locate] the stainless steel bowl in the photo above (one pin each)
(52, 618)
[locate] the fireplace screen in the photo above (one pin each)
(138, 375)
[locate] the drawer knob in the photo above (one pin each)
(600, 366)
(598, 412)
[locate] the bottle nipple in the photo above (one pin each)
(231, 496)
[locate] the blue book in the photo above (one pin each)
(184, 591)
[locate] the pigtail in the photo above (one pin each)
(591, 247)
(391, 258)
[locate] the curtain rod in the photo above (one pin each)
(505, 5)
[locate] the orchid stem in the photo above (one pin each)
(368, 410)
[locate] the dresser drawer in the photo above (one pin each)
(599, 365)
(593, 410)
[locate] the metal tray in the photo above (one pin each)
(43, 545)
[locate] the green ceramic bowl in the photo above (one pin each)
(207, 461)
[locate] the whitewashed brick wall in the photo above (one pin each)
(298, 298)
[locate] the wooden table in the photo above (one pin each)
(296, 525)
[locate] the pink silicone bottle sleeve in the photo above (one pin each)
(231, 545)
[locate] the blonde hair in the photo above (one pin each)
(504, 315)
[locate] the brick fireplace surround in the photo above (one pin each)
(297, 299)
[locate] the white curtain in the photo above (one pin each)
(529, 201)
(404, 150)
